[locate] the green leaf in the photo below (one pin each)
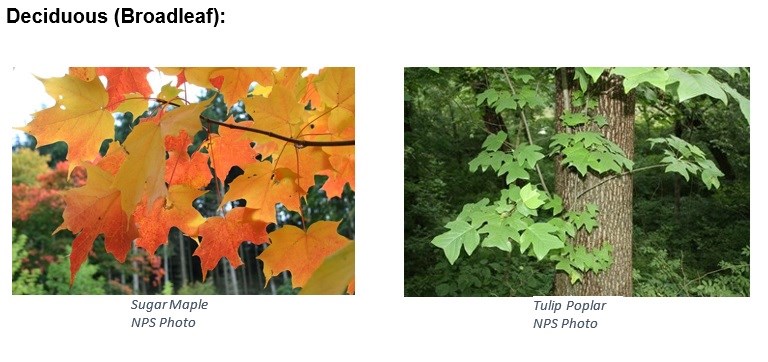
(565, 266)
(486, 159)
(490, 96)
(494, 141)
(505, 103)
(531, 197)
(678, 167)
(743, 101)
(435, 69)
(732, 71)
(460, 233)
(577, 157)
(540, 236)
(581, 76)
(696, 84)
(469, 209)
(498, 236)
(556, 204)
(522, 74)
(574, 119)
(633, 77)
(600, 121)
(528, 154)
(702, 70)
(594, 72)
(564, 228)
(592, 209)
(514, 172)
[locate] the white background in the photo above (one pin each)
(379, 39)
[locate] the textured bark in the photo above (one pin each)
(614, 198)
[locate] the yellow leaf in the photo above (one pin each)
(337, 91)
(134, 103)
(143, 171)
(79, 117)
(262, 190)
(334, 274)
(301, 253)
(185, 118)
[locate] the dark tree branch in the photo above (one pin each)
(299, 143)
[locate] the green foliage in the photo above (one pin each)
(167, 288)
(207, 288)
(664, 276)
(25, 281)
(86, 281)
(684, 158)
(26, 165)
(446, 112)
(589, 150)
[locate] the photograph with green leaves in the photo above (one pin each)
(590, 181)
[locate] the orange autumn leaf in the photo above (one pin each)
(85, 73)
(125, 80)
(306, 162)
(94, 210)
(222, 237)
(236, 81)
(343, 172)
(262, 190)
(230, 148)
(79, 118)
(143, 172)
(299, 252)
(180, 168)
(165, 213)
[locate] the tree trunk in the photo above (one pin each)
(614, 198)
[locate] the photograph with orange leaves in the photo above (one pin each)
(184, 181)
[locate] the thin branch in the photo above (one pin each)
(527, 130)
(617, 176)
(299, 143)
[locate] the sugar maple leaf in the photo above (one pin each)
(92, 210)
(230, 148)
(335, 275)
(222, 237)
(80, 106)
(180, 168)
(262, 189)
(165, 213)
(198, 76)
(122, 81)
(85, 73)
(185, 118)
(236, 81)
(280, 113)
(301, 253)
(306, 162)
(143, 172)
(343, 172)
(336, 87)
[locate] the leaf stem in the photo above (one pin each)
(527, 130)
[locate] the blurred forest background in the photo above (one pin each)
(41, 260)
(688, 241)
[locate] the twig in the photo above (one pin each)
(617, 176)
(527, 130)
(299, 143)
